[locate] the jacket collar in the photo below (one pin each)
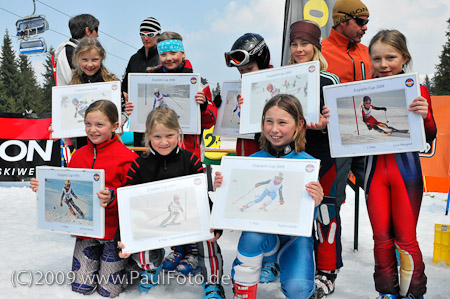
(174, 153)
(283, 152)
(97, 77)
(341, 41)
(185, 67)
(102, 146)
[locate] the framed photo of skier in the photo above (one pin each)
(176, 91)
(229, 113)
(301, 80)
(371, 117)
(70, 102)
(164, 213)
(266, 195)
(68, 201)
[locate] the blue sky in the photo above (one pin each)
(209, 28)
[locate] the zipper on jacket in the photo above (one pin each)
(353, 62)
(363, 70)
(95, 156)
(165, 164)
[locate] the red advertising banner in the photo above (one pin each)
(24, 145)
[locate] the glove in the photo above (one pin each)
(281, 202)
(60, 204)
(384, 108)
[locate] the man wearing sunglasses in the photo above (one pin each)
(350, 60)
(145, 58)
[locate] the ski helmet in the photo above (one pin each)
(250, 47)
(67, 183)
(75, 100)
(156, 90)
(367, 99)
(269, 87)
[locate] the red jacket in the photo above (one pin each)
(350, 61)
(115, 158)
(208, 111)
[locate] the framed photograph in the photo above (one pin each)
(176, 91)
(68, 201)
(265, 195)
(164, 213)
(300, 80)
(69, 103)
(229, 113)
(371, 117)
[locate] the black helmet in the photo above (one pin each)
(367, 99)
(250, 47)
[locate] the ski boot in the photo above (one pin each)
(171, 262)
(421, 297)
(387, 296)
(325, 280)
(188, 265)
(318, 294)
(269, 272)
(213, 291)
(149, 279)
(244, 292)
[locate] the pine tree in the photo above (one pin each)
(442, 76)
(49, 81)
(30, 91)
(216, 90)
(428, 84)
(9, 78)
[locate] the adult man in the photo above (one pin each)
(145, 58)
(84, 25)
(350, 60)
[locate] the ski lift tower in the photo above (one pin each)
(27, 30)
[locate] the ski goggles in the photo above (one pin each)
(149, 34)
(361, 22)
(241, 57)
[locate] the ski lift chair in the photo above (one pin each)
(31, 25)
(33, 46)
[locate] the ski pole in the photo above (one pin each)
(385, 115)
(243, 195)
(175, 102)
(156, 216)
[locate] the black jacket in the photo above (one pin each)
(139, 63)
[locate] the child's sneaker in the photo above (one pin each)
(149, 279)
(171, 261)
(213, 291)
(387, 296)
(188, 265)
(269, 272)
(244, 292)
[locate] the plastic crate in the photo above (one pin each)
(441, 244)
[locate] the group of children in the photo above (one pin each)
(299, 262)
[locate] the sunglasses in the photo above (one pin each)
(149, 34)
(359, 21)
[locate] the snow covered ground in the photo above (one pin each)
(43, 254)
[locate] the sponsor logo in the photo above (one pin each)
(114, 87)
(409, 82)
(309, 168)
(16, 150)
(197, 181)
(96, 177)
(193, 80)
(311, 69)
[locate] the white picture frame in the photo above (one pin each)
(228, 114)
(148, 213)
(235, 206)
(177, 91)
(69, 103)
(301, 80)
(60, 211)
(393, 130)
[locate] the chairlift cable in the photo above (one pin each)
(102, 32)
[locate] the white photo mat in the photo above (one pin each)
(177, 91)
(79, 214)
(229, 113)
(393, 130)
(69, 103)
(245, 200)
(151, 218)
(301, 80)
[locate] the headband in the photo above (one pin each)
(307, 31)
(170, 45)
